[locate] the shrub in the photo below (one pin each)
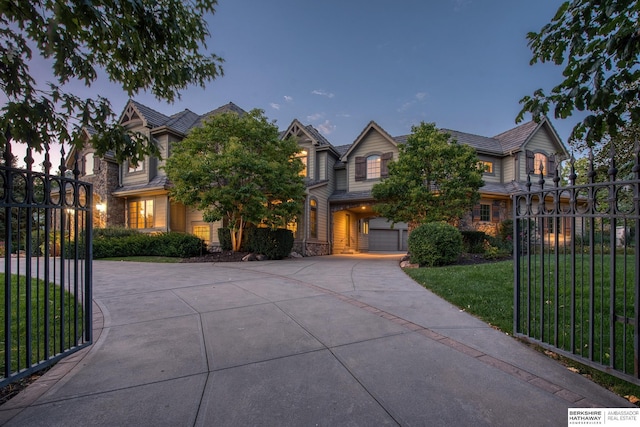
(505, 230)
(274, 244)
(434, 244)
(111, 232)
(224, 237)
(170, 244)
(473, 241)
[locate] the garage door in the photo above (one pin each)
(383, 240)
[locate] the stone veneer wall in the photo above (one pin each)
(105, 181)
(312, 248)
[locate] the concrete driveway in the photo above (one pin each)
(323, 341)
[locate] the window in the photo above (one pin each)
(373, 167)
(203, 232)
(304, 157)
(136, 168)
(313, 218)
(88, 164)
(540, 164)
(141, 214)
(485, 212)
(485, 166)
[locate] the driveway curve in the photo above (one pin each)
(322, 341)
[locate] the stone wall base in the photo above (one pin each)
(312, 248)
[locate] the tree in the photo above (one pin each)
(434, 179)
(151, 45)
(236, 168)
(599, 44)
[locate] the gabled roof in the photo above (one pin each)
(181, 122)
(480, 143)
(372, 126)
(227, 108)
(504, 143)
(515, 138)
(149, 116)
(298, 129)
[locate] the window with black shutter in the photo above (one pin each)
(361, 168)
(384, 167)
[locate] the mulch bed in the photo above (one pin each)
(224, 256)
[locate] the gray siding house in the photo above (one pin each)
(338, 215)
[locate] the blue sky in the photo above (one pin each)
(463, 64)
(338, 64)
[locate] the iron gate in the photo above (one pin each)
(46, 246)
(576, 268)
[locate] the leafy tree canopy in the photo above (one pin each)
(151, 45)
(237, 168)
(434, 179)
(598, 43)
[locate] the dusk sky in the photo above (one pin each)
(338, 64)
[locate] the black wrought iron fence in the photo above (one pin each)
(577, 269)
(45, 304)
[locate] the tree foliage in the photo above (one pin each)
(150, 45)
(598, 43)
(434, 179)
(236, 168)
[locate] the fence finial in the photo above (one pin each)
(62, 166)
(591, 174)
(572, 175)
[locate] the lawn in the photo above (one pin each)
(47, 339)
(486, 291)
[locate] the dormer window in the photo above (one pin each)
(486, 166)
(540, 164)
(304, 157)
(373, 167)
(88, 164)
(136, 168)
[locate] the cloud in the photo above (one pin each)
(288, 98)
(458, 5)
(327, 127)
(315, 117)
(417, 98)
(275, 106)
(322, 93)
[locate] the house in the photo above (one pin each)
(338, 215)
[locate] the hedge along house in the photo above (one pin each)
(338, 214)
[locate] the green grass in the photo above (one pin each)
(486, 291)
(40, 350)
(158, 259)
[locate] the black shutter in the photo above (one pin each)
(361, 168)
(384, 165)
(530, 162)
(551, 171)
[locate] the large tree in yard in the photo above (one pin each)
(598, 44)
(434, 179)
(236, 168)
(142, 45)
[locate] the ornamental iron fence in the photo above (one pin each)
(576, 269)
(46, 224)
